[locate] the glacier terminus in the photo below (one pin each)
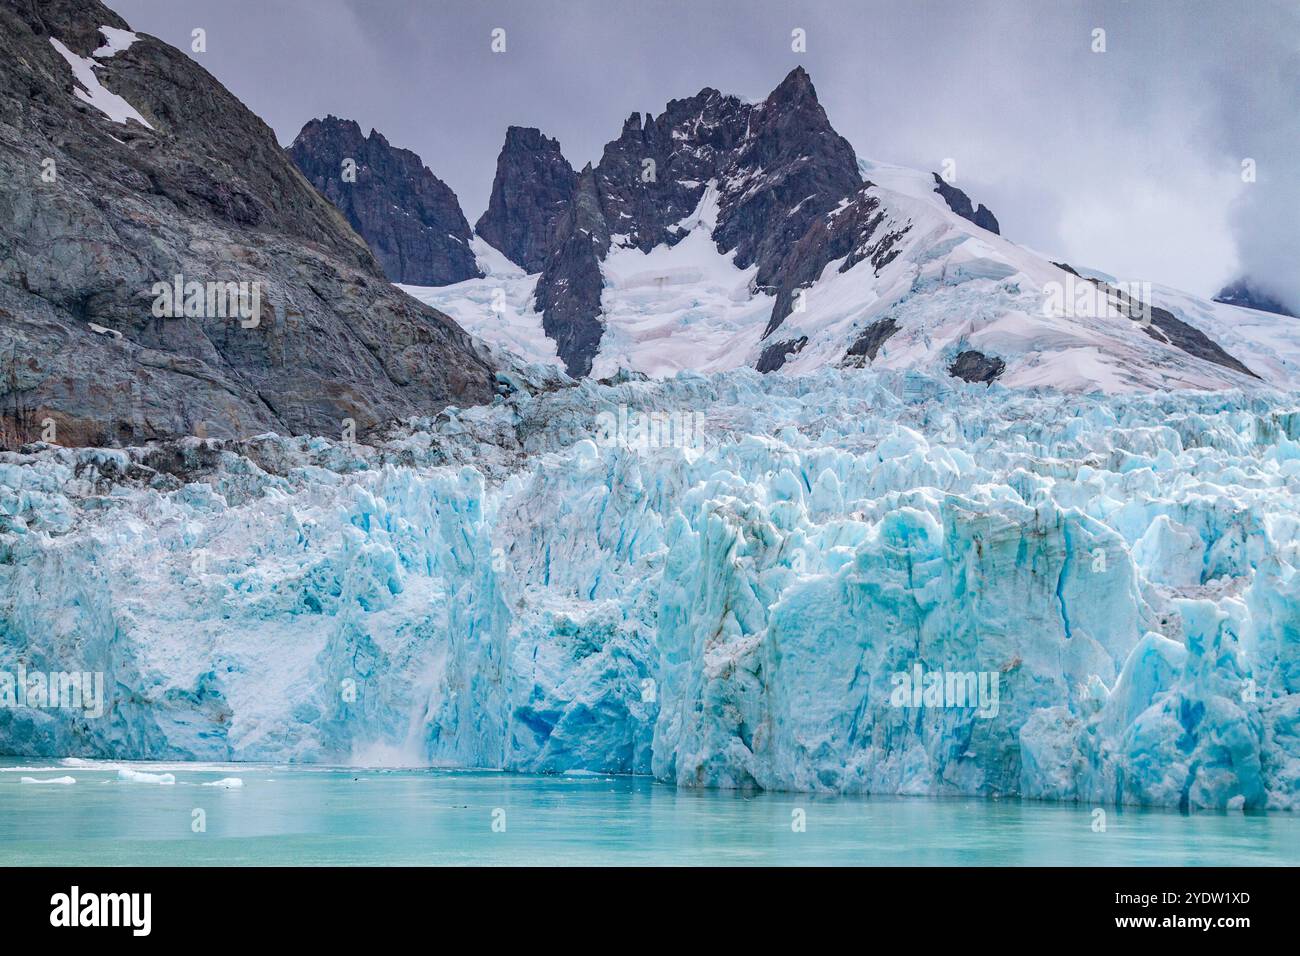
(515, 586)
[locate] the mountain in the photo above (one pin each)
(531, 193)
(779, 164)
(717, 577)
(720, 234)
(410, 218)
(125, 170)
(1246, 294)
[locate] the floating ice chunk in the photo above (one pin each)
(229, 783)
(139, 776)
(63, 781)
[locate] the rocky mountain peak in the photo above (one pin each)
(1247, 294)
(780, 166)
(531, 193)
(795, 90)
(410, 218)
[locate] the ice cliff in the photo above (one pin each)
(522, 586)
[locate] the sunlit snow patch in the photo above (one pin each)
(498, 308)
(685, 306)
(91, 91)
(115, 41)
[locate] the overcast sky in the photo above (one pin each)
(1128, 160)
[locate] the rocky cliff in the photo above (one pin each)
(128, 172)
(410, 218)
(528, 213)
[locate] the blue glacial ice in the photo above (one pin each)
(509, 586)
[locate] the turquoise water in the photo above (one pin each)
(303, 815)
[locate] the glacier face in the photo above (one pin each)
(523, 586)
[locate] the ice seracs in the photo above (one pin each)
(503, 589)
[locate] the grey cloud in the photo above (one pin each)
(1127, 161)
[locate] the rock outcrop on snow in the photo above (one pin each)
(960, 203)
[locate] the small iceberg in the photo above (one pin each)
(230, 783)
(139, 776)
(60, 780)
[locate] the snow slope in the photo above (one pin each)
(497, 308)
(952, 287)
(514, 586)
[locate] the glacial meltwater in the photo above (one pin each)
(177, 814)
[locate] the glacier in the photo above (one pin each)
(511, 586)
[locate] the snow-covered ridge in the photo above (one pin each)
(947, 287)
(734, 614)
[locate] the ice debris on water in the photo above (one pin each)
(139, 776)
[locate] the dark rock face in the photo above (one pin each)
(960, 203)
(774, 356)
(856, 232)
(529, 209)
(1165, 327)
(791, 170)
(206, 194)
(779, 167)
(654, 174)
(1244, 293)
(409, 217)
(568, 291)
(868, 344)
(972, 366)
